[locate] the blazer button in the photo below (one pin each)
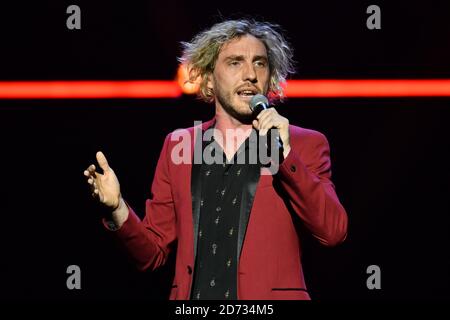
(189, 268)
(293, 168)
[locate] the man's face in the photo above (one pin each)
(241, 71)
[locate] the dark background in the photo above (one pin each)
(389, 156)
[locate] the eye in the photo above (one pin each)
(234, 63)
(260, 63)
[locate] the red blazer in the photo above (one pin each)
(269, 247)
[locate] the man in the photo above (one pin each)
(234, 227)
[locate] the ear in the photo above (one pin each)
(210, 81)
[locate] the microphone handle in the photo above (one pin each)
(258, 108)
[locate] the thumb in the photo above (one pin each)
(101, 159)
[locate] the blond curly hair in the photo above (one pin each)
(200, 55)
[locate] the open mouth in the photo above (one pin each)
(247, 93)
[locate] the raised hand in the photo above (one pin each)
(104, 187)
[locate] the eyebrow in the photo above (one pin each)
(242, 58)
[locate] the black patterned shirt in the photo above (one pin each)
(215, 275)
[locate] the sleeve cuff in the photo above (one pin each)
(131, 220)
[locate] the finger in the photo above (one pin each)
(90, 181)
(92, 187)
(263, 113)
(267, 113)
(264, 118)
(265, 125)
(274, 124)
(89, 176)
(101, 159)
(255, 124)
(91, 169)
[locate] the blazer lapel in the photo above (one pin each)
(196, 181)
(248, 195)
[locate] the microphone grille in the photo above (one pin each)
(258, 99)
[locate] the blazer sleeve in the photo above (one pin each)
(150, 241)
(306, 178)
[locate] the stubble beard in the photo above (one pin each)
(225, 100)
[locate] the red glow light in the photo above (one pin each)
(171, 89)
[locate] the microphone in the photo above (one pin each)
(258, 103)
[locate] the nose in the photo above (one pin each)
(249, 74)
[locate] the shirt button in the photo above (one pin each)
(218, 209)
(293, 168)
